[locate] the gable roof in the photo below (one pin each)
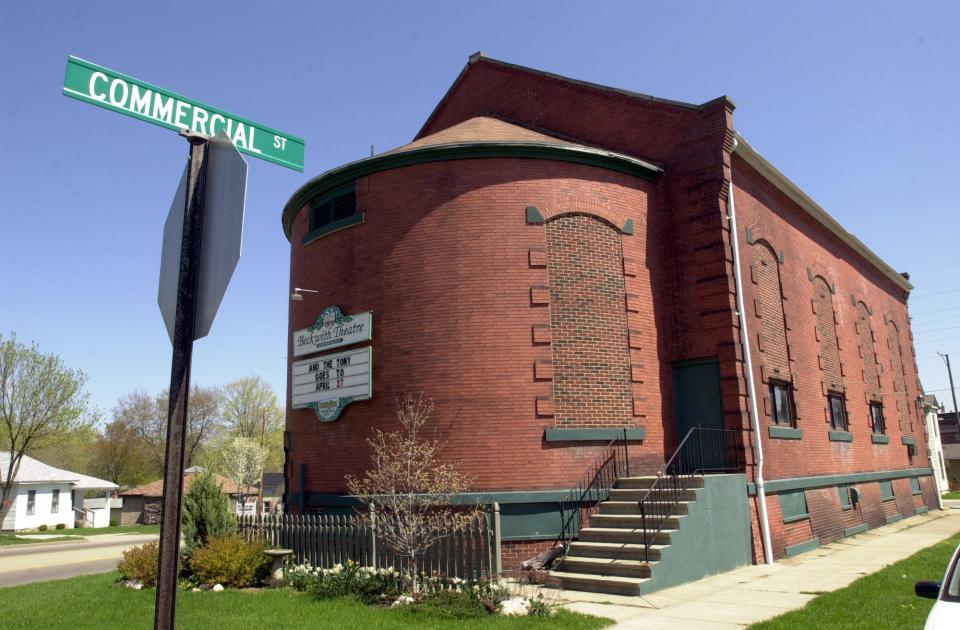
(34, 471)
(155, 488)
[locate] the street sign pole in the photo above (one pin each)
(165, 611)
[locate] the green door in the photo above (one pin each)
(698, 402)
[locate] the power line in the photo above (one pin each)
(939, 310)
(916, 332)
(923, 295)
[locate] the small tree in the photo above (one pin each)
(40, 401)
(411, 489)
(243, 460)
(206, 512)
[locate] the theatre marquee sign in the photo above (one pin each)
(329, 382)
(332, 330)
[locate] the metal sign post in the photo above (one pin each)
(180, 384)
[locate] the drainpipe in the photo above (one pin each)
(751, 389)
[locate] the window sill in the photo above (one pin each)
(323, 230)
(908, 440)
(794, 519)
(785, 433)
(879, 438)
(840, 436)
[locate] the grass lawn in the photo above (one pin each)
(951, 495)
(94, 602)
(16, 540)
(126, 529)
(882, 600)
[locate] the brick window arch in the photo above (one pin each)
(899, 380)
(772, 336)
(827, 335)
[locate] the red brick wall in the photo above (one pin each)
(826, 334)
(588, 324)
(461, 297)
(870, 375)
(514, 552)
(774, 352)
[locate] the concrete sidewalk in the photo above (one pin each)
(750, 594)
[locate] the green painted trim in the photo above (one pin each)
(856, 529)
(840, 436)
(893, 518)
(628, 227)
(354, 219)
(809, 545)
(534, 215)
(773, 486)
(323, 183)
(798, 517)
(592, 435)
(784, 433)
(908, 440)
(922, 509)
(878, 438)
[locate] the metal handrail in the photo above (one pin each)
(593, 487)
(660, 500)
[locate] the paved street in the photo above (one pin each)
(750, 594)
(21, 564)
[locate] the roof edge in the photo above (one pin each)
(812, 208)
(336, 177)
(480, 56)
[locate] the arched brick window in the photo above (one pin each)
(870, 374)
(899, 380)
(588, 322)
(772, 336)
(829, 357)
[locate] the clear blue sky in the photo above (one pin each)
(853, 101)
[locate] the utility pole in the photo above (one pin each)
(953, 392)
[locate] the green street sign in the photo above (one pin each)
(106, 88)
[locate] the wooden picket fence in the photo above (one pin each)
(324, 540)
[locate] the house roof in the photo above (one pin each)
(273, 483)
(34, 471)
(155, 488)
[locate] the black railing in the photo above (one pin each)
(593, 487)
(701, 451)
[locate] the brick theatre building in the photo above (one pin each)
(552, 262)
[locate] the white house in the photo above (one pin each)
(44, 495)
(931, 407)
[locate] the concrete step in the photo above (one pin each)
(607, 566)
(631, 521)
(632, 507)
(634, 483)
(622, 535)
(615, 550)
(597, 583)
(627, 494)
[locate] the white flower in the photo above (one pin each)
(515, 607)
(217, 588)
(403, 600)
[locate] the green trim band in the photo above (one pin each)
(908, 440)
(878, 438)
(592, 435)
(893, 518)
(354, 219)
(922, 509)
(840, 436)
(773, 486)
(784, 433)
(803, 547)
(322, 184)
(856, 529)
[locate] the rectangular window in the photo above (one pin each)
(31, 501)
(838, 412)
(781, 395)
(886, 490)
(844, 492)
(55, 501)
(876, 419)
(266, 507)
(333, 209)
(915, 485)
(793, 506)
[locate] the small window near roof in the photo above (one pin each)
(781, 395)
(838, 412)
(332, 210)
(876, 418)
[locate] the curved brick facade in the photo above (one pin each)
(511, 327)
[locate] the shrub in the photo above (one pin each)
(114, 522)
(448, 605)
(206, 512)
(61, 525)
(230, 560)
(141, 563)
(42, 528)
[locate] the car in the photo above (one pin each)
(946, 611)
